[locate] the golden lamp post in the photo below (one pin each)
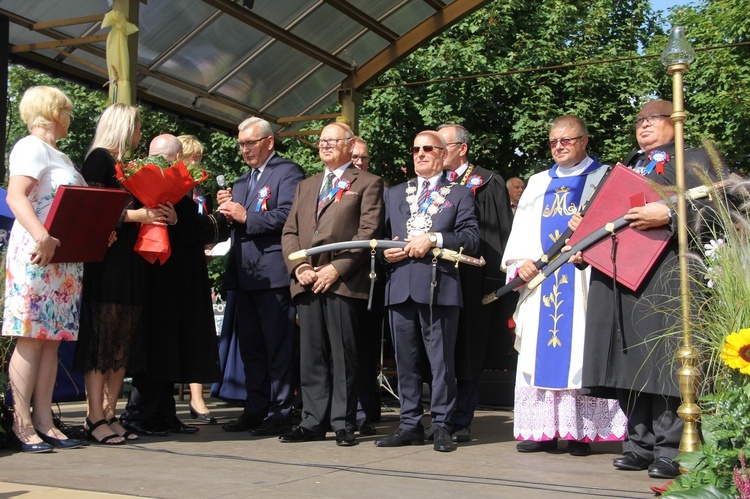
(677, 58)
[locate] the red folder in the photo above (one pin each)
(83, 218)
(637, 250)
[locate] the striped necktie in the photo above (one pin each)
(425, 192)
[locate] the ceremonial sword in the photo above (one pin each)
(601, 233)
(443, 253)
(552, 253)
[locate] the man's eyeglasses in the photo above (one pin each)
(329, 142)
(453, 143)
(563, 142)
(356, 157)
(415, 149)
(248, 143)
(654, 118)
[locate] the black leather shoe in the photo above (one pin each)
(61, 443)
(442, 441)
(429, 433)
(631, 462)
(366, 429)
(664, 468)
(143, 428)
(271, 427)
(400, 438)
(245, 422)
(345, 438)
(580, 449)
(178, 426)
(301, 434)
(461, 434)
(534, 446)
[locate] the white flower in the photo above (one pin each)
(712, 247)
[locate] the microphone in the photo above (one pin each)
(221, 182)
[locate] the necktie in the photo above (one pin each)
(424, 193)
(327, 188)
(452, 176)
(250, 194)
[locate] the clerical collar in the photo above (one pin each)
(575, 170)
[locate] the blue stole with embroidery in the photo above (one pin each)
(561, 201)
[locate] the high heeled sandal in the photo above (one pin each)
(128, 435)
(90, 427)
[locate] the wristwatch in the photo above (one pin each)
(433, 239)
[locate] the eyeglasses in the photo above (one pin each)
(563, 142)
(356, 157)
(453, 143)
(330, 142)
(654, 118)
(415, 149)
(248, 143)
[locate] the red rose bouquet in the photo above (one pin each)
(154, 181)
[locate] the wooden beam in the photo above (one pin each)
(255, 21)
(411, 41)
(435, 4)
(65, 42)
(368, 22)
(84, 62)
(67, 22)
(309, 117)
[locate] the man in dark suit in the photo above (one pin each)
(341, 204)
(484, 340)
(259, 204)
(627, 354)
(423, 296)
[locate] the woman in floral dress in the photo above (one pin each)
(42, 300)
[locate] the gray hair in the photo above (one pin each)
(461, 134)
(263, 127)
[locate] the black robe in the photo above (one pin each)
(484, 340)
(182, 345)
(642, 358)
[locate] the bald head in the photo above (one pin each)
(653, 128)
(515, 188)
(166, 145)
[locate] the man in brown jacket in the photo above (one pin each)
(330, 290)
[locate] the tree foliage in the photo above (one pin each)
(508, 110)
(509, 113)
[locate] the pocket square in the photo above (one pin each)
(351, 192)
